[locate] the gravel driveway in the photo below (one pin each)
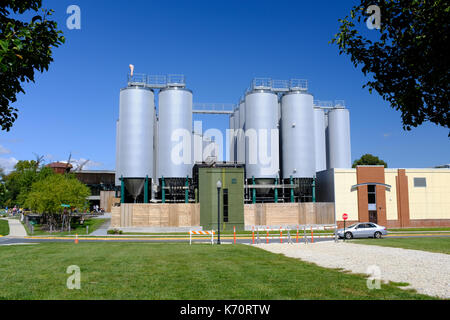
(427, 272)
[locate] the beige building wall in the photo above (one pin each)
(346, 200)
(432, 201)
(391, 196)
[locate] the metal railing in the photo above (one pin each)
(323, 104)
(213, 108)
(339, 103)
(298, 84)
(156, 81)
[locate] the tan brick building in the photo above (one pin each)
(389, 197)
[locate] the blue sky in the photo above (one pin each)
(220, 46)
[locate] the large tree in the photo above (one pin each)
(407, 58)
(17, 184)
(46, 197)
(25, 46)
(369, 160)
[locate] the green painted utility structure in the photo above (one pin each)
(231, 196)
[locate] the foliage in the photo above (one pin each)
(16, 185)
(47, 195)
(409, 61)
(24, 48)
(115, 231)
(369, 160)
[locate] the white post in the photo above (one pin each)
(190, 238)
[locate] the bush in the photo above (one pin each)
(115, 231)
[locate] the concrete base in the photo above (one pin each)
(158, 229)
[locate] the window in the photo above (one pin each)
(225, 205)
(420, 182)
(371, 195)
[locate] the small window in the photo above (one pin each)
(225, 205)
(420, 182)
(371, 188)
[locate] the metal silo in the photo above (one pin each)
(319, 137)
(339, 148)
(118, 173)
(175, 123)
(232, 139)
(240, 144)
(136, 137)
(297, 114)
(261, 149)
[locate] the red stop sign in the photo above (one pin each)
(345, 216)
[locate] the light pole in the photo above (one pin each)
(219, 186)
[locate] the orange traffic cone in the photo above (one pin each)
(76, 238)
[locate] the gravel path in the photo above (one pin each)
(427, 272)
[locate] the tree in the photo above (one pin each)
(408, 61)
(46, 197)
(17, 184)
(24, 48)
(369, 160)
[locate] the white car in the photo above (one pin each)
(362, 230)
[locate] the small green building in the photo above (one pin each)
(231, 196)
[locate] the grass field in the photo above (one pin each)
(422, 229)
(175, 271)
(76, 228)
(441, 245)
(4, 228)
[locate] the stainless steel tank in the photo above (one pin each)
(298, 146)
(339, 148)
(175, 122)
(261, 148)
(118, 172)
(136, 118)
(240, 144)
(319, 138)
(237, 137)
(232, 139)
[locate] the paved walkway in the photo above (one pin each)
(16, 229)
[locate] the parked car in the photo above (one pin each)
(362, 230)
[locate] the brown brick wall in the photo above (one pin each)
(402, 198)
(368, 174)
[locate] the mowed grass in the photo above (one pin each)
(4, 228)
(175, 271)
(435, 244)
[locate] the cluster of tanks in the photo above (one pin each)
(308, 137)
(277, 131)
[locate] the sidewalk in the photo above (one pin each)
(16, 229)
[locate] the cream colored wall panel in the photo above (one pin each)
(432, 201)
(345, 199)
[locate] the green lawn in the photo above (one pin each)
(441, 245)
(175, 271)
(76, 228)
(4, 228)
(422, 229)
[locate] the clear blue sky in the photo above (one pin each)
(219, 46)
